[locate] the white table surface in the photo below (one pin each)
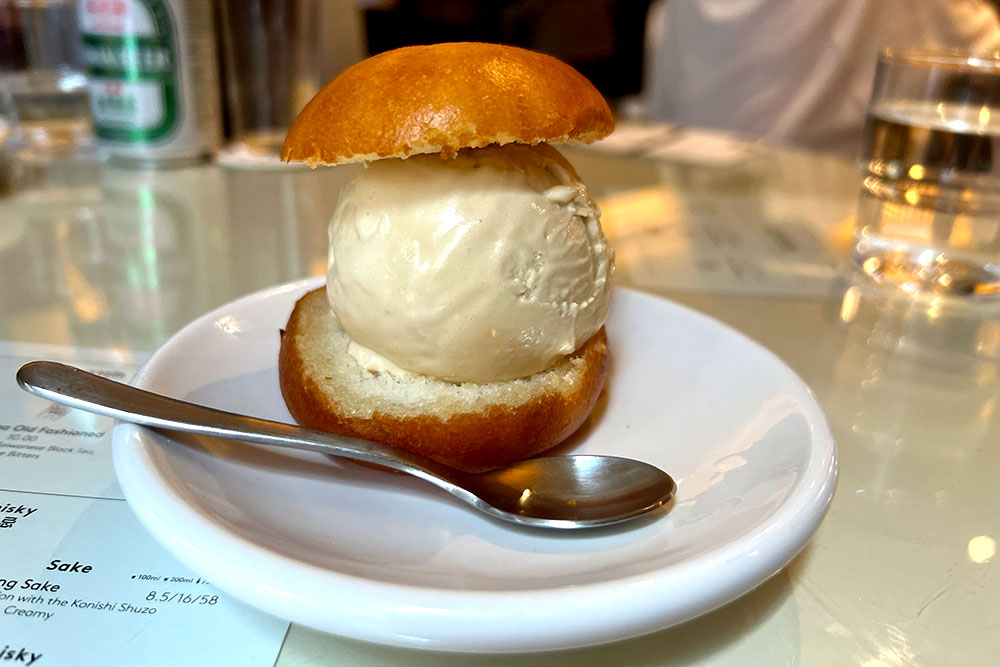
(903, 570)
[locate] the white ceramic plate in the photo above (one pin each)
(388, 558)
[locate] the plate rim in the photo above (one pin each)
(777, 540)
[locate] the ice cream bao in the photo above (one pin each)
(468, 276)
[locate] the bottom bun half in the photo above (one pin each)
(469, 426)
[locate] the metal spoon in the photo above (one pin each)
(550, 492)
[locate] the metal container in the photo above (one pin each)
(153, 76)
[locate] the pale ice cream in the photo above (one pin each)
(489, 266)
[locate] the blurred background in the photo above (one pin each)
(603, 39)
(43, 64)
(795, 72)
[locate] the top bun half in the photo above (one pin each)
(444, 97)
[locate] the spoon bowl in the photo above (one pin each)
(572, 491)
(564, 492)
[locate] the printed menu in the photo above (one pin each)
(783, 235)
(769, 253)
(81, 581)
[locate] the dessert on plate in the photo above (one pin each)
(468, 277)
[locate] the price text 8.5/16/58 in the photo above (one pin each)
(182, 598)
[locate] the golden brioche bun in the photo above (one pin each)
(468, 426)
(443, 97)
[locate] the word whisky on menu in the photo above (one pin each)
(154, 88)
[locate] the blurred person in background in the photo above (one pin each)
(792, 71)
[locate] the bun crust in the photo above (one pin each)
(471, 427)
(443, 97)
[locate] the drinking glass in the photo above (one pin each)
(42, 80)
(929, 210)
(272, 62)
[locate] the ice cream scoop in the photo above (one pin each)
(484, 267)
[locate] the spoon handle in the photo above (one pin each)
(79, 389)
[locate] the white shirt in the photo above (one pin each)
(793, 71)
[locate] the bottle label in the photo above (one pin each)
(131, 55)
